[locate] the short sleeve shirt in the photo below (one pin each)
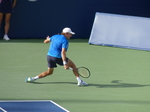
(57, 43)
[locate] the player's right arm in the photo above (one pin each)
(47, 40)
(63, 54)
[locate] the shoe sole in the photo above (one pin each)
(83, 85)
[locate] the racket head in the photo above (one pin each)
(84, 72)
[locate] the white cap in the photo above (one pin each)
(68, 30)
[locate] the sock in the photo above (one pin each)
(5, 35)
(78, 79)
(35, 78)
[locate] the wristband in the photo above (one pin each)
(64, 62)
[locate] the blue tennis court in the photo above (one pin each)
(31, 106)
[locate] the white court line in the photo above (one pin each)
(33, 101)
(3, 109)
(59, 106)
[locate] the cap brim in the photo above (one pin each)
(72, 33)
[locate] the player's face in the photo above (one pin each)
(68, 35)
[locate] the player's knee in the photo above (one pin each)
(7, 22)
(49, 73)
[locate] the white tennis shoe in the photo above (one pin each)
(29, 79)
(6, 37)
(82, 83)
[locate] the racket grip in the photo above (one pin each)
(70, 68)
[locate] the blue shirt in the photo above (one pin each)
(57, 43)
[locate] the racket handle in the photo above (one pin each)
(70, 68)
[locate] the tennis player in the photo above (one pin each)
(57, 55)
(6, 7)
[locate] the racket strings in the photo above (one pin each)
(84, 72)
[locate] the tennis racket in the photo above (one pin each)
(82, 71)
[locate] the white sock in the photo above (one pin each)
(78, 79)
(35, 78)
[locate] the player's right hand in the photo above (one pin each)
(66, 67)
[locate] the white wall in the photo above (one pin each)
(121, 31)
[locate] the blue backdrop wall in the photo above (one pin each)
(47, 17)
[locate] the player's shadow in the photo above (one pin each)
(117, 84)
(54, 83)
(114, 84)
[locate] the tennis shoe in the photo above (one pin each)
(82, 83)
(6, 37)
(29, 79)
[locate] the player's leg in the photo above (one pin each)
(7, 22)
(72, 65)
(50, 70)
(7, 25)
(46, 73)
(1, 18)
(42, 75)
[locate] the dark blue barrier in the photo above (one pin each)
(47, 17)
